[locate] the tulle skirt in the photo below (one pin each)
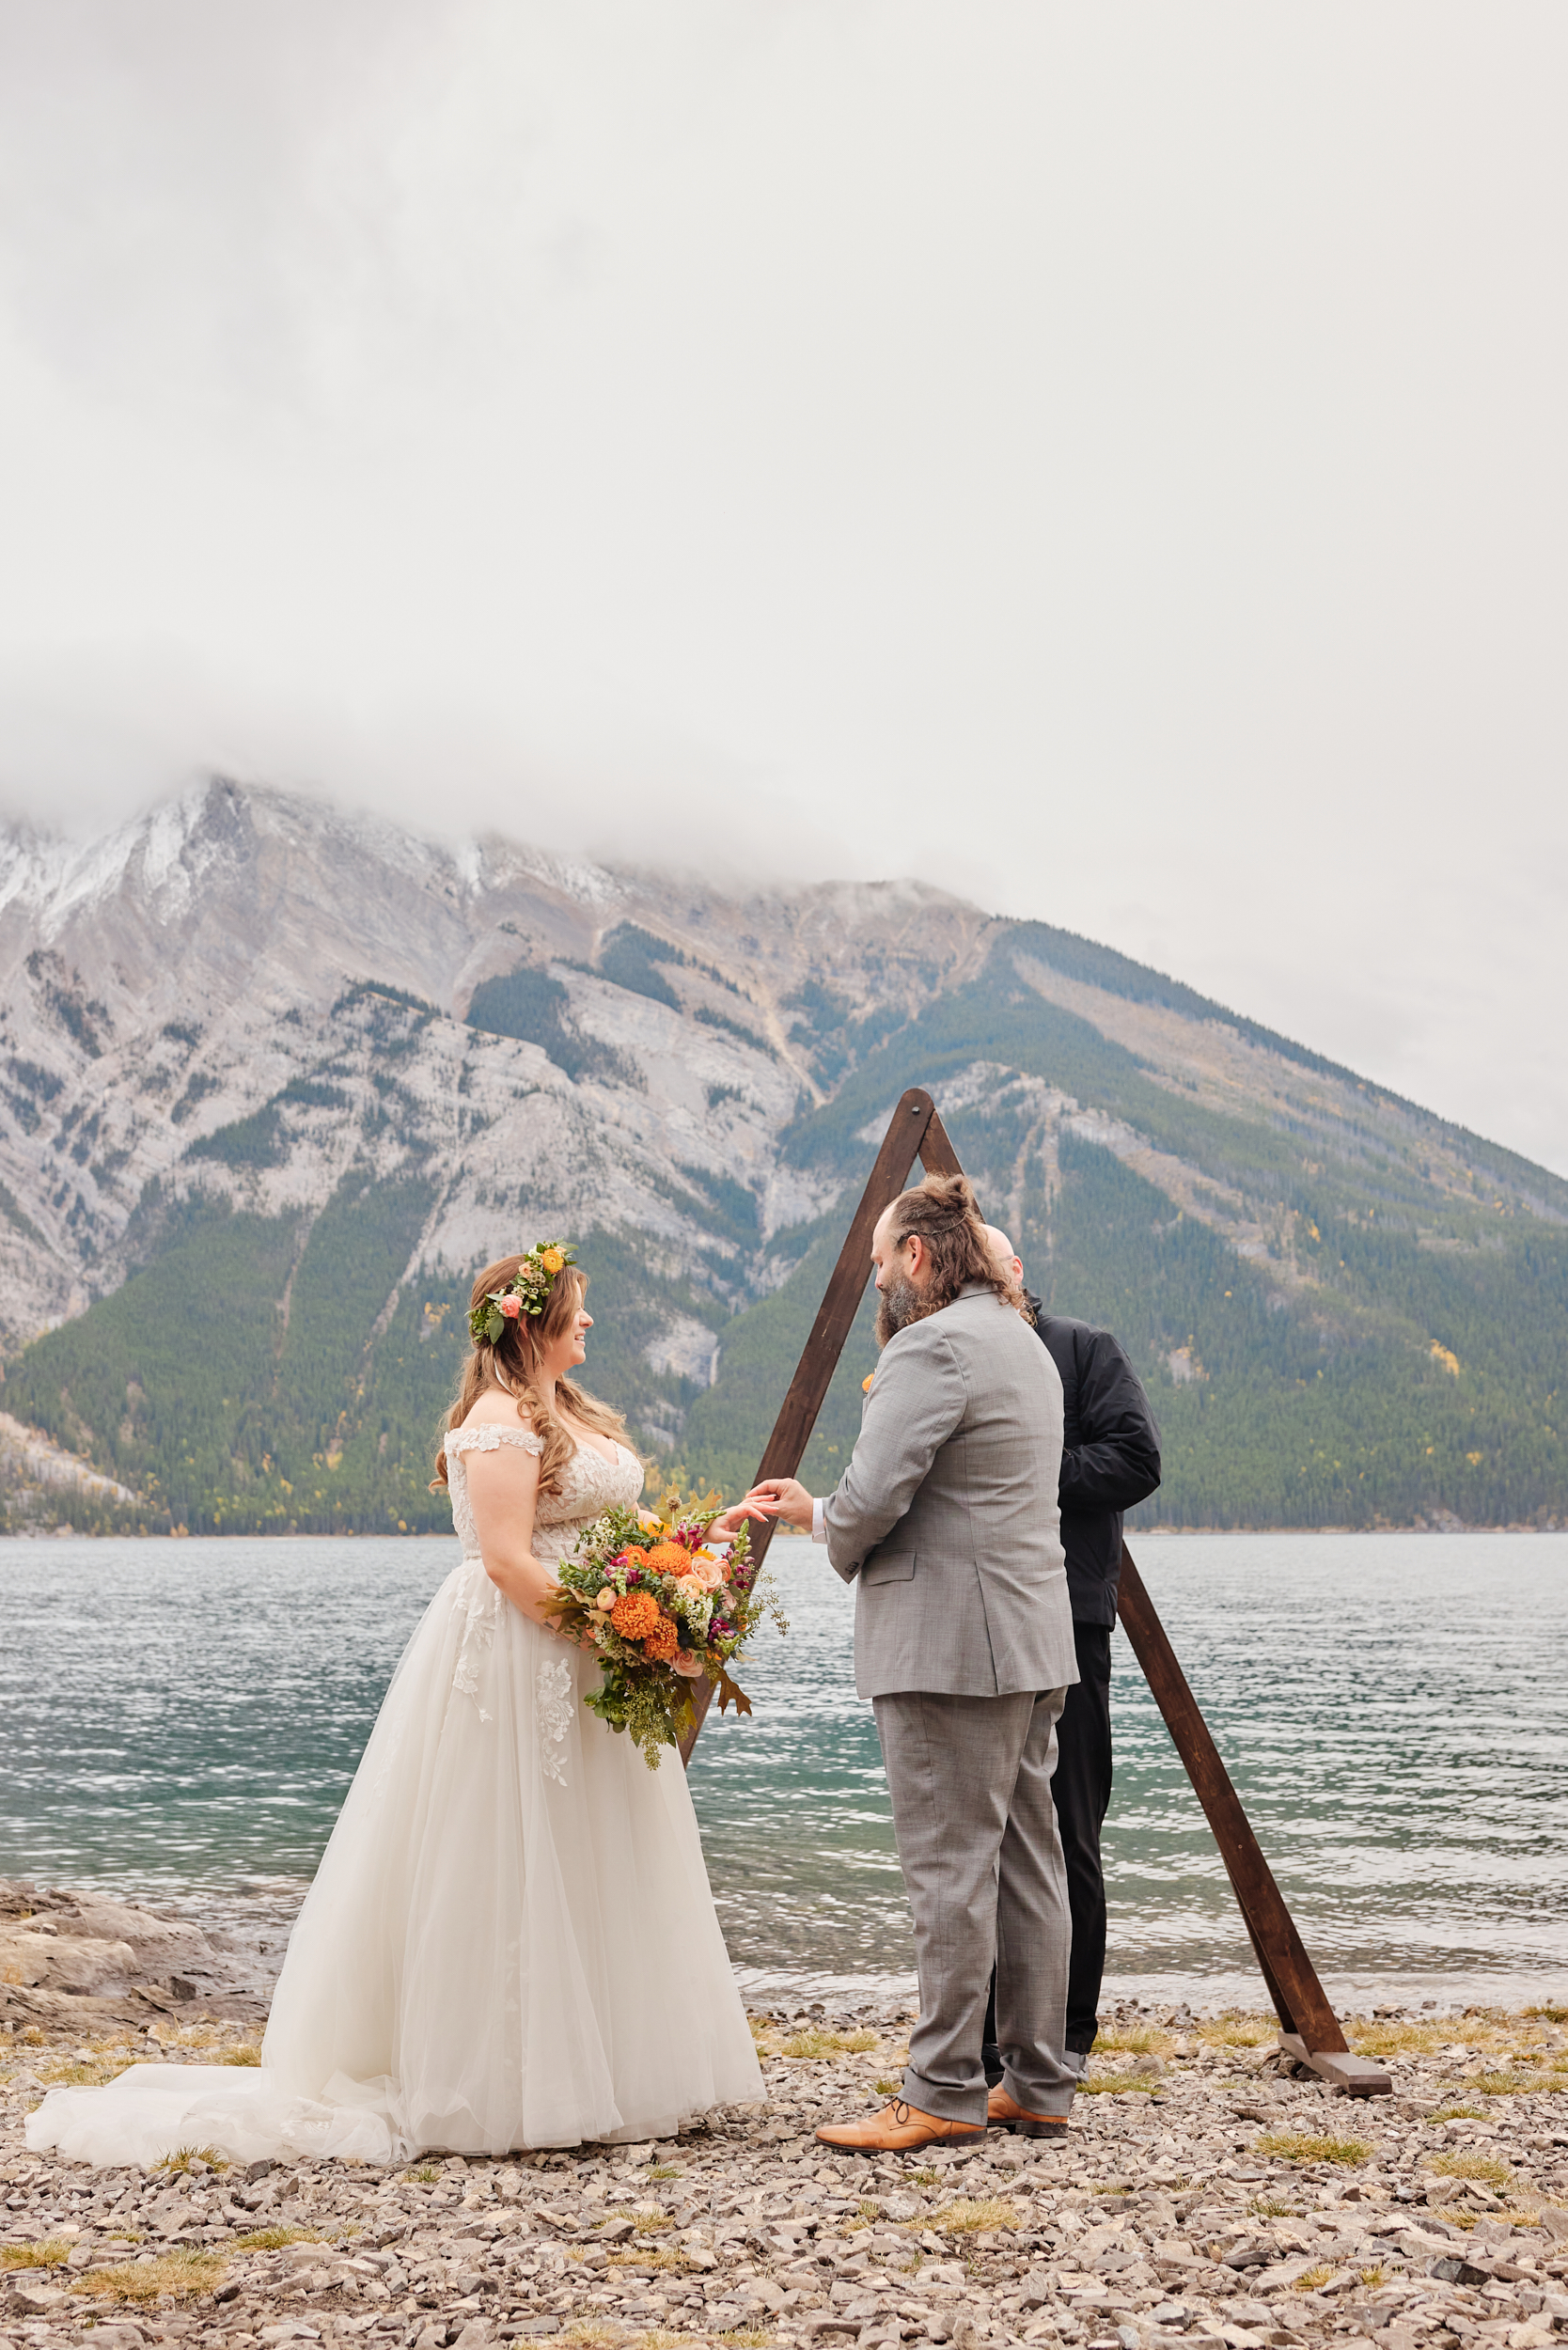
(511, 1941)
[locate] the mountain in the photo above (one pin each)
(274, 1081)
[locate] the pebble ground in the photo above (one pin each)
(1204, 2194)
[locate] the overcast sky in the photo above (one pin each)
(1110, 461)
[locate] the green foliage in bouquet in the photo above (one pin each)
(663, 1609)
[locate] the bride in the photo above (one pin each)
(511, 1941)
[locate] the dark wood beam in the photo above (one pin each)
(1299, 1999)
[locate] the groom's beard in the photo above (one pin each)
(899, 1303)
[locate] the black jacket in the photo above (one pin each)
(1110, 1455)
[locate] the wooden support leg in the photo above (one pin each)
(1311, 2032)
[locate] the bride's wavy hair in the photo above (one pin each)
(513, 1364)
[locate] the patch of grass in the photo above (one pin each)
(1486, 2167)
(813, 2043)
(1311, 2278)
(647, 2256)
(182, 2158)
(88, 2072)
(745, 2337)
(1236, 2029)
(273, 2239)
(926, 2178)
(1509, 2084)
(181, 2275)
(241, 2056)
(665, 2171)
(1548, 2014)
(1306, 2146)
(885, 2086)
(195, 2036)
(52, 2252)
(968, 2218)
(1116, 2084)
(1271, 2208)
(1457, 2113)
(1135, 2040)
(426, 2175)
(1375, 2275)
(651, 2220)
(1382, 2040)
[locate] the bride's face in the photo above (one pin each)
(564, 1354)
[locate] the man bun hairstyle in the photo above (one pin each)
(942, 1212)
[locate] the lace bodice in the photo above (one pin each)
(589, 1486)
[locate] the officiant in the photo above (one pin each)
(1110, 1460)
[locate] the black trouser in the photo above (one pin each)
(1081, 1792)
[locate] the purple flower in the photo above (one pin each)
(634, 1574)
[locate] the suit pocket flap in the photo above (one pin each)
(899, 1568)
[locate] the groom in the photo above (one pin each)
(946, 1522)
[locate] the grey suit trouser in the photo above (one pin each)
(970, 1780)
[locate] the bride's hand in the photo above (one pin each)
(775, 1498)
(725, 1528)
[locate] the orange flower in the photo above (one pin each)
(662, 1643)
(636, 1615)
(635, 1557)
(669, 1559)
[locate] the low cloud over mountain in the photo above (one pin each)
(276, 1081)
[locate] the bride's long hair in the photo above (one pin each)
(513, 1364)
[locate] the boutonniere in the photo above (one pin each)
(866, 1383)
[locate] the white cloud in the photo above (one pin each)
(1109, 461)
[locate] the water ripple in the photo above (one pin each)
(182, 1718)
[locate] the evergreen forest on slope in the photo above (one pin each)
(1393, 1355)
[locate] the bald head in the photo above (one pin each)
(1003, 1256)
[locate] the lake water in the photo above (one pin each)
(180, 1720)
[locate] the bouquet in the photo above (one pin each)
(663, 1607)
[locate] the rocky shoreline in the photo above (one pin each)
(1205, 2194)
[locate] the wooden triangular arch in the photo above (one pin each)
(1309, 2030)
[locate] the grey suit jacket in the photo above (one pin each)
(946, 1516)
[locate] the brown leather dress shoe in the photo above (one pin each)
(1003, 2114)
(898, 2129)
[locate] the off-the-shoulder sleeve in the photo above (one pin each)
(486, 1437)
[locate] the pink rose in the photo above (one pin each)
(512, 1308)
(607, 1598)
(688, 1664)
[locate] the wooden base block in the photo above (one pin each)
(1358, 2076)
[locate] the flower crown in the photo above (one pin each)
(528, 1292)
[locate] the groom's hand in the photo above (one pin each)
(783, 1497)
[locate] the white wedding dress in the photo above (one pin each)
(510, 1940)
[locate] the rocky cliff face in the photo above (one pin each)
(276, 1080)
(239, 952)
